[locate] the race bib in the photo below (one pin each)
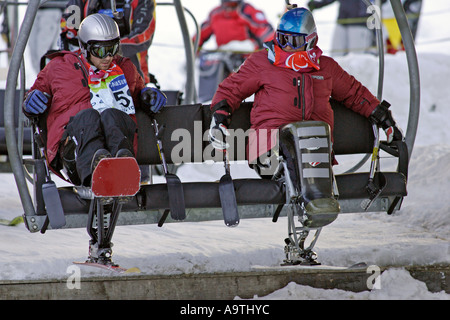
(109, 89)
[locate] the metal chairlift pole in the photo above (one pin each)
(375, 188)
(380, 46)
(190, 55)
(414, 77)
(11, 82)
(190, 49)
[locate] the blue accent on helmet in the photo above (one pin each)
(300, 21)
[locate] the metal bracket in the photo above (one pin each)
(34, 223)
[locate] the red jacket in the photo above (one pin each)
(245, 23)
(65, 79)
(279, 93)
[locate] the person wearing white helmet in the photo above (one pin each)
(88, 101)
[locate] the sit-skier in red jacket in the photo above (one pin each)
(291, 81)
(236, 20)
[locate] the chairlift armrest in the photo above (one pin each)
(398, 149)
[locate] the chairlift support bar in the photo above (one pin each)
(380, 46)
(190, 49)
(413, 69)
(190, 55)
(414, 76)
(11, 81)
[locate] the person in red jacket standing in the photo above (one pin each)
(236, 20)
(291, 81)
(88, 100)
(239, 29)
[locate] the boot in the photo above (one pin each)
(123, 153)
(99, 155)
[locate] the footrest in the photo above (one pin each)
(321, 212)
(116, 177)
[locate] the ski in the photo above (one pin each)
(11, 223)
(112, 267)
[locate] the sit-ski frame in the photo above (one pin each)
(110, 190)
(295, 250)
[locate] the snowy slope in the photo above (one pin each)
(419, 234)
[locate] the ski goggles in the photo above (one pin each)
(102, 50)
(294, 40)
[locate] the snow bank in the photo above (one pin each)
(395, 284)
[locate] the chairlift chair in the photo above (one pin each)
(255, 197)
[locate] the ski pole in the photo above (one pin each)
(376, 147)
(158, 133)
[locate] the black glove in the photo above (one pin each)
(382, 117)
(220, 121)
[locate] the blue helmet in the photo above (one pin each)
(299, 21)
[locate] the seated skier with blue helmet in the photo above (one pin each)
(291, 81)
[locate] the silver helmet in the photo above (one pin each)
(97, 28)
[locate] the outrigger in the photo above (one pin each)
(100, 212)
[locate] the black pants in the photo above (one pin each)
(90, 131)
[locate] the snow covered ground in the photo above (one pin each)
(419, 234)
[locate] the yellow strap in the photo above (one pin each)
(393, 32)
